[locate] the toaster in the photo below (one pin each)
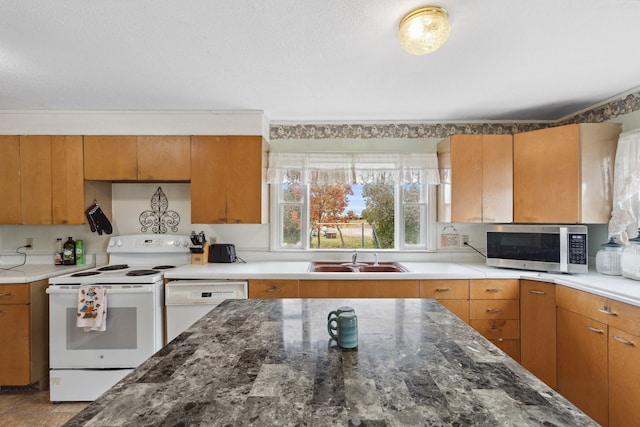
(222, 252)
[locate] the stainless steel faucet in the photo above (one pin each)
(354, 257)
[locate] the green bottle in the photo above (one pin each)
(69, 252)
(79, 252)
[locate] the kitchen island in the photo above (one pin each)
(271, 362)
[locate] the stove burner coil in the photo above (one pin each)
(85, 273)
(141, 272)
(113, 267)
(163, 267)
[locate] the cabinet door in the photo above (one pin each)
(164, 158)
(245, 179)
(228, 180)
(36, 179)
(582, 363)
(14, 357)
(624, 378)
(208, 180)
(538, 329)
(10, 177)
(497, 178)
(273, 289)
(110, 158)
(466, 178)
(67, 183)
(359, 289)
(546, 180)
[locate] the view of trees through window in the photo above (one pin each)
(350, 216)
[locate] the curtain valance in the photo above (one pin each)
(352, 168)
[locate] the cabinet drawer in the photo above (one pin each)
(584, 303)
(359, 289)
(511, 347)
(494, 309)
(494, 289)
(14, 294)
(459, 307)
(273, 289)
(444, 289)
(624, 316)
(497, 328)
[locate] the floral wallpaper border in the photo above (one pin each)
(598, 114)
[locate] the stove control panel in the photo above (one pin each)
(149, 243)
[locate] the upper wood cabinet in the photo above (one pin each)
(10, 209)
(564, 174)
(137, 158)
(42, 180)
(477, 178)
(228, 184)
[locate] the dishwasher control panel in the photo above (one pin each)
(213, 295)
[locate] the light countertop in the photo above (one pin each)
(33, 272)
(614, 287)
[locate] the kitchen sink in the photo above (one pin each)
(360, 267)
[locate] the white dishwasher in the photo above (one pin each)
(187, 301)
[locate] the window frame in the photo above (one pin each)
(427, 229)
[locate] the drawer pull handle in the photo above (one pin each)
(494, 289)
(443, 289)
(273, 289)
(495, 329)
(10, 294)
(607, 310)
(623, 341)
(596, 330)
(537, 292)
(494, 310)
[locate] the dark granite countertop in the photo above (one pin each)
(271, 362)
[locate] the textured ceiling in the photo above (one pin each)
(312, 61)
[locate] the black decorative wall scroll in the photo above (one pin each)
(159, 218)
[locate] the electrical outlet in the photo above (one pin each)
(30, 242)
(465, 239)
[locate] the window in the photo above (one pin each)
(328, 201)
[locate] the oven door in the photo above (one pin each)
(133, 332)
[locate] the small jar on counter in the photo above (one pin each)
(609, 258)
(630, 259)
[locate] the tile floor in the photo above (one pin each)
(35, 409)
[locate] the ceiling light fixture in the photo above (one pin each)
(424, 30)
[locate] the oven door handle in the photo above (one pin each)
(59, 290)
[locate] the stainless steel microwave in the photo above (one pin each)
(552, 248)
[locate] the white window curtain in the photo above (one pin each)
(353, 168)
(626, 186)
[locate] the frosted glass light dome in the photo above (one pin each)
(424, 30)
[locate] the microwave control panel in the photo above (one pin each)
(577, 248)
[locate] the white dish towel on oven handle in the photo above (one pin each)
(92, 308)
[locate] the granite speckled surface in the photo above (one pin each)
(271, 362)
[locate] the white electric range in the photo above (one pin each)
(84, 364)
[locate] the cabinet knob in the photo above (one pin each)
(273, 289)
(443, 289)
(607, 310)
(494, 289)
(6, 295)
(494, 310)
(537, 292)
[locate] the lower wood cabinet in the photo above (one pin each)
(453, 294)
(273, 289)
(598, 356)
(538, 329)
(494, 311)
(24, 333)
(359, 289)
(624, 378)
(582, 363)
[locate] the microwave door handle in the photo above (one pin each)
(564, 249)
